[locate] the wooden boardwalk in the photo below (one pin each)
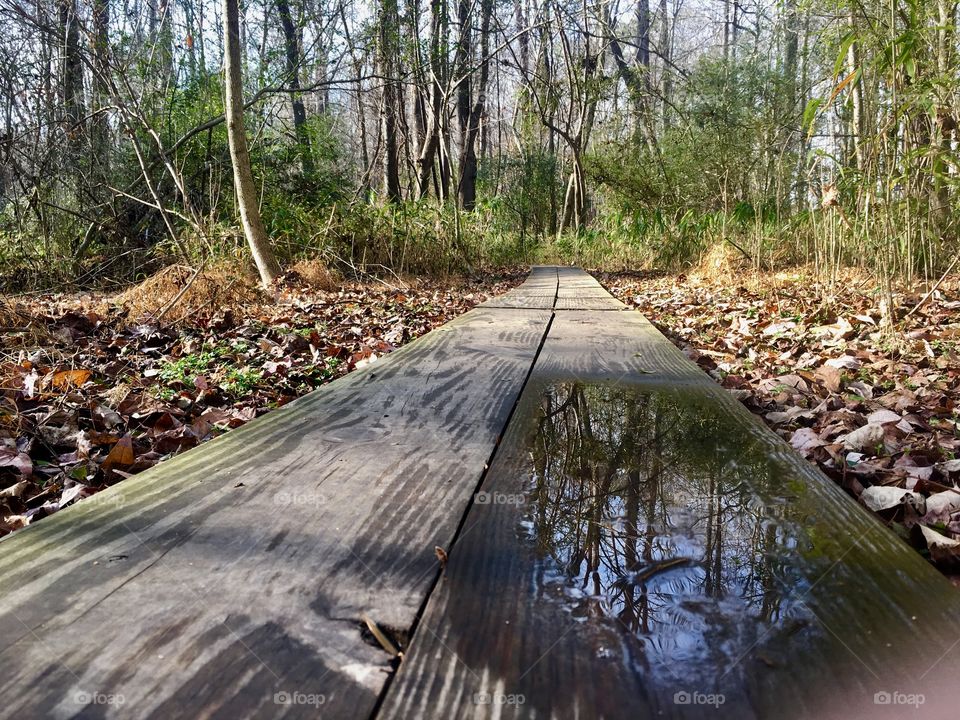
(624, 540)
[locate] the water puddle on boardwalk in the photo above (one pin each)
(667, 520)
(692, 549)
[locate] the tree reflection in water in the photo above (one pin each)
(649, 509)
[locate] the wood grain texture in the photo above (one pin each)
(239, 570)
(593, 345)
(792, 602)
(579, 291)
(538, 291)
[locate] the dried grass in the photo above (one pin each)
(315, 275)
(201, 294)
(22, 328)
(723, 263)
(10, 315)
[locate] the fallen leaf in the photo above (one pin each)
(15, 491)
(777, 328)
(847, 362)
(883, 416)
(71, 494)
(830, 377)
(943, 550)
(65, 379)
(866, 438)
(948, 467)
(805, 440)
(380, 636)
(10, 457)
(941, 505)
(121, 454)
(881, 497)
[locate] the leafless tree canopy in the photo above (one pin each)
(431, 134)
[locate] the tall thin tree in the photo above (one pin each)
(253, 227)
(294, 58)
(392, 97)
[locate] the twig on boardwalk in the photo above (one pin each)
(380, 636)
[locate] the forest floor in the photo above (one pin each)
(95, 388)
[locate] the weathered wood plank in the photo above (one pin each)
(538, 291)
(579, 291)
(560, 288)
(583, 301)
(241, 569)
(601, 346)
(643, 546)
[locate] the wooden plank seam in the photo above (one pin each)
(384, 693)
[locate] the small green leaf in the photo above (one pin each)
(910, 66)
(845, 44)
(810, 113)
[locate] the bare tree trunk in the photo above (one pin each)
(643, 63)
(791, 49)
(100, 130)
(548, 114)
(728, 16)
(389, 28)
(666, 72)
(161, 29)
(431, 139)
(71, 80)
(358, 64)
(461, 69)
(521, 20)
(294, 57)
(946, 123)
(364, 188)
(856, 90)
(583, 90)
(636, 75)
(419, 88)
(734, 27)
(191, 39)
(470, 116)
(643, 33)
(246, 190)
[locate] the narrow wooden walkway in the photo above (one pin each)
(624, 540)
